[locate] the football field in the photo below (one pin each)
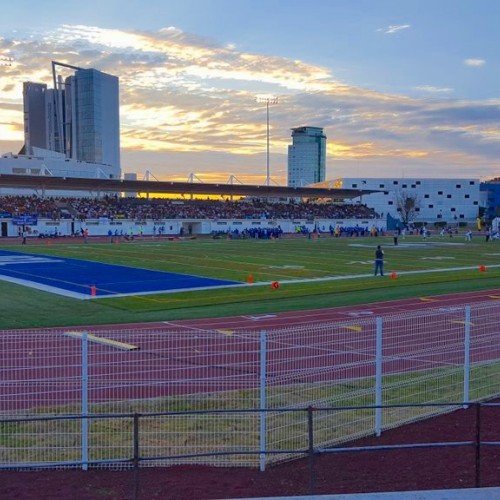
(151, 279)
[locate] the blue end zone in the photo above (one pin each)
(76, 278)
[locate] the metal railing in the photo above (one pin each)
(137, 454)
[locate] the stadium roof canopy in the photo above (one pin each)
(43, 183)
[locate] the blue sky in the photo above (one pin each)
(402, 87)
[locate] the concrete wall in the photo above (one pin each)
(172, 227)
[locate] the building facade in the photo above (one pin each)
(35, 115)
(306, 156)
(490, 194)
(92, 132)
(437, 200)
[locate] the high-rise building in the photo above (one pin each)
(92, 130)
(78, 118)
(34, 107)
(306, 156)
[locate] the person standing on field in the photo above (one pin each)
(379, 261)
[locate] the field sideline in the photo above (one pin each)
(312, 273)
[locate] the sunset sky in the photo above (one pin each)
(403, 88)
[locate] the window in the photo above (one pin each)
(381, 186)
(448, 196)
(453, 209)
(458, 186)
(440, 192)
(467, 196)
(395, 183)
(390, 203)
(431, 206)
(405, 186)
(426, 196)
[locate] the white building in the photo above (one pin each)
(49, 163)
(306, 156)
(438, 200)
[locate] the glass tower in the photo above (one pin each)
(306, 156)
(93, 123)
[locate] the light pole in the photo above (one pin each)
(268, 101)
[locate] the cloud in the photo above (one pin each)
(433, 90)
(475, 63)
(188, 104)
(394, 28)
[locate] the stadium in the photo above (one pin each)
(237, 337)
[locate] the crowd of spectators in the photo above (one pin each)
(13, 206)
(112, 208)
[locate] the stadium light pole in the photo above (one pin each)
(268, 101)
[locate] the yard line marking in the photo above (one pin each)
(427, 299)
(258, 318)
(356, 314)
(102, 340)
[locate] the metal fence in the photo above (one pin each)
(385, 364)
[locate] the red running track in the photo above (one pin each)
(297, 318)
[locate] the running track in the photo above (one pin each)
(270, 320)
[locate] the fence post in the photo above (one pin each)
(310, 433)
(378, 377)
(136, 455)
(467, 355)
(262, 402)
(478, 446)
(85, 401)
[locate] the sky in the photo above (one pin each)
(402, 88)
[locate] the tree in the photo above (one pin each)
(408, 205)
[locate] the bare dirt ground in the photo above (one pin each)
(349, 472)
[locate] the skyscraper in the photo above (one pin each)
(306, 156)
(34, 107)
(78, 118)
(92, 130)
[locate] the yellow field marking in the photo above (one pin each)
(354, 328)
(463, 322)
(494, 296)
(226, 332)
(426, 299)
(103, 340)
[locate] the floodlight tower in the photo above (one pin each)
(6, 61)
(268, 101)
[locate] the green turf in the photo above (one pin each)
(265, 260)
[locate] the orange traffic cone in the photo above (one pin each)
(393, 275)
(482, 269)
